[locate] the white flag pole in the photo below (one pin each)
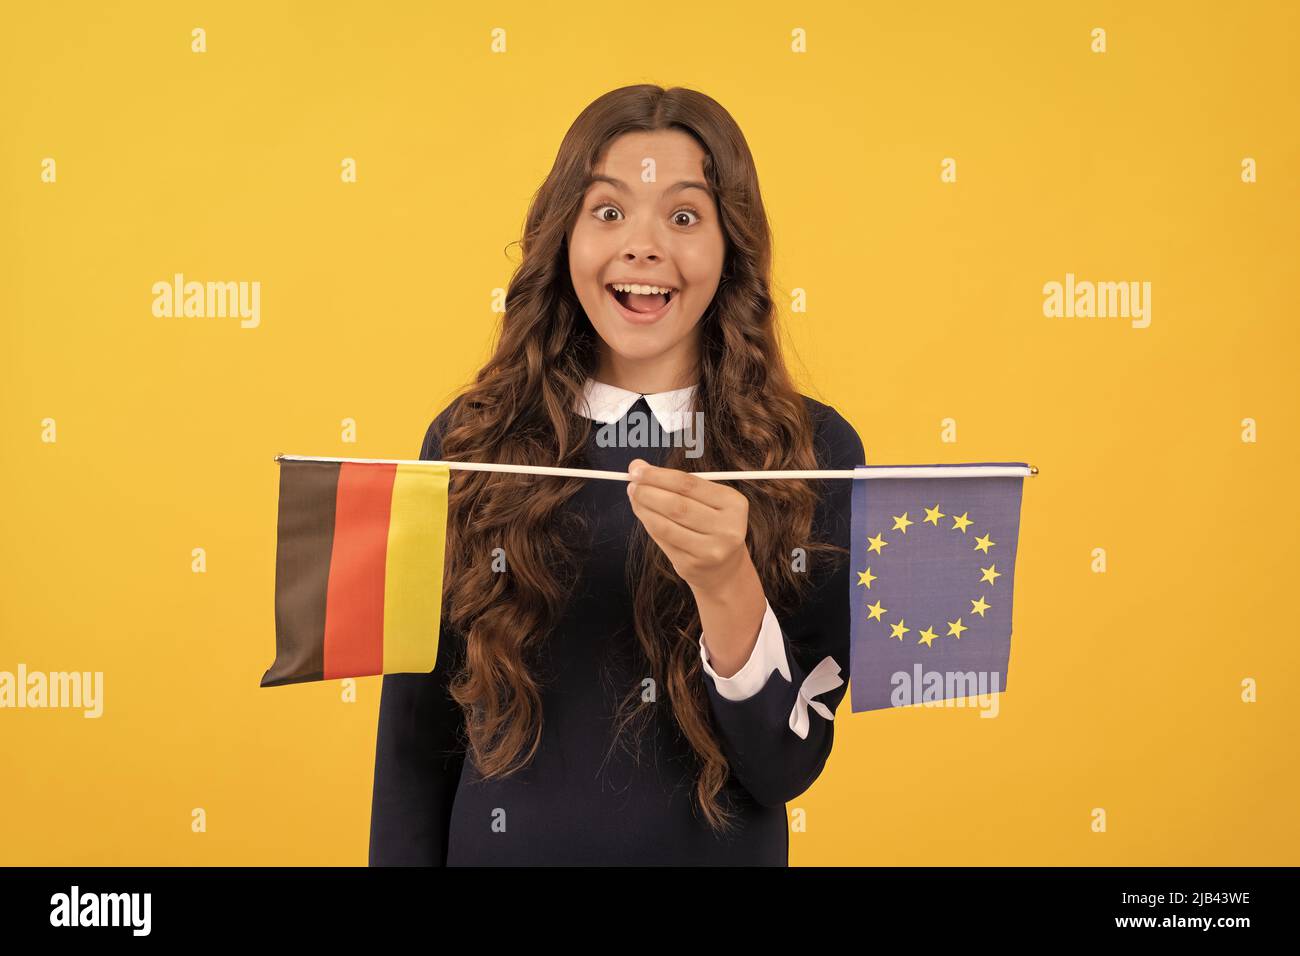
(869, 471)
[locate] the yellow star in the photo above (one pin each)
(955, 628)
(866, 577)
(961, 523)
(979, 607)
(899, 630)
(983, 544)
(933, 515)
(875, 611)
(990, 573)
(901, 523)
(877, 543)
(927, 636)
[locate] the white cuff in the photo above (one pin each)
(768, 655)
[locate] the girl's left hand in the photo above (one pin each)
(700, 524)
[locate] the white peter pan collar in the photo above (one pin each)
(609, 403)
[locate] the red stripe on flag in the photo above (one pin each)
(354, 608)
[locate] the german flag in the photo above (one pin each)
(358, 568)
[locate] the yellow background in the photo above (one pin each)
(925, 303)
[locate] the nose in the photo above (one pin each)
(645, 253)
(641, 242)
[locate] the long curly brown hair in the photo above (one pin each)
(520, 410)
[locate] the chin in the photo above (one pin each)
(639, 348)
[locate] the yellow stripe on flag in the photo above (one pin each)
(417, 542)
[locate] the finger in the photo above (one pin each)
(682, 482)
(685, 511)
(669, 534)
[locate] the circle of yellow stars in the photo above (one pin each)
(927, 636)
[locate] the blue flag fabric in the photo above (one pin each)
(931, 576)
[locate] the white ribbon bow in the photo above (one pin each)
(825, 676)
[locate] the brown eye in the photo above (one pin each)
(686, 212)
(605, 206)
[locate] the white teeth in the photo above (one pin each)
(641, 289)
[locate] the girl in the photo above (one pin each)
(640, 673)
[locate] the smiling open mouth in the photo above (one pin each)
(642, 304)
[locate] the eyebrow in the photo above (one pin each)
(675, 187)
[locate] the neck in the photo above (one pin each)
(663, 373)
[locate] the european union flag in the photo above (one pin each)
(930, 579)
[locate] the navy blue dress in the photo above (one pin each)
(582, 801)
